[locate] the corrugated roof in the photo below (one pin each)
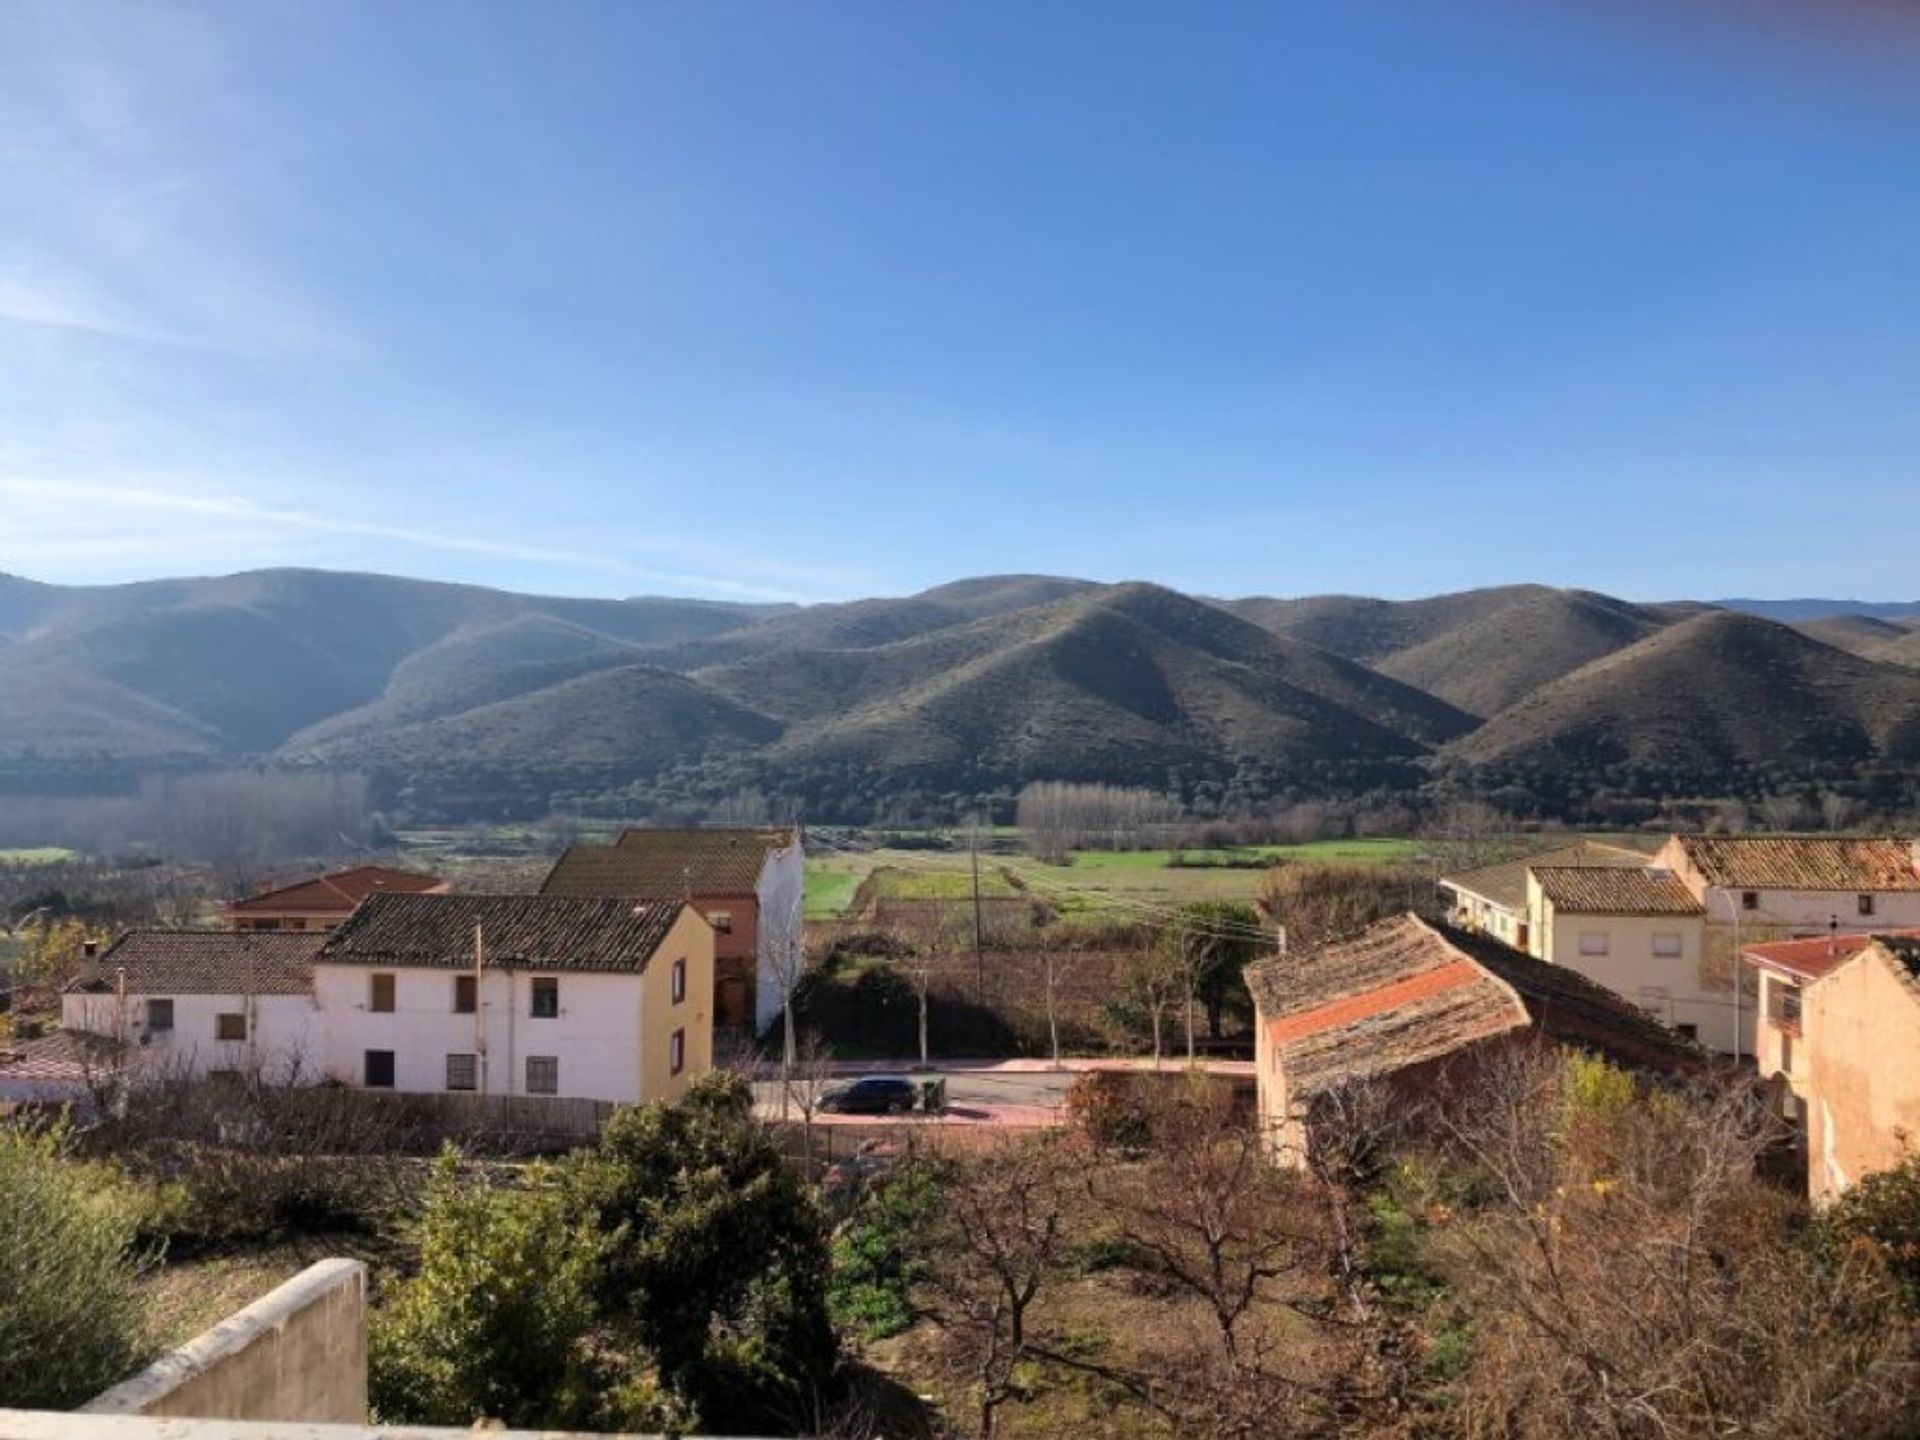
(339, 891)
(1803, 862)
(1505, 884)
(1807, 960)
(541, 931)
(205, 962)
(1407, 991)
(1598, 890)
(667, 864)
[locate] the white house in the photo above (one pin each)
(518, 995)
(200, 1004)
(750, 884)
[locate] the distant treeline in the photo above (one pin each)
(231, 819)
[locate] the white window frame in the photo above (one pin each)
(1595, 943)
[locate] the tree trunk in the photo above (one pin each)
(1189, 1027)
(923, 1026)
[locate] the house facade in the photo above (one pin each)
(205, 1004)
(1861, 1067)
(320, 903)
(595, 999)
(1492, 899)
(749, 884)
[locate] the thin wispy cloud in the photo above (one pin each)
(104, 503)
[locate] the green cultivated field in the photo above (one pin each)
(35, 855)
(1114, 883)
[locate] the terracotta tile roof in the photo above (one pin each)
(1407, 991)
(1505, 884)
(1803, 862)
(339, 891)
(667, 864)
(547, 932)
(205, 962)
(1807, 960)
(66, 1058)
(1594, 890)
(1902, 956)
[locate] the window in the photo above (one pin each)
(546, 997)
(380, 993)
(543, 1075)
(230, 1027)
(1593, 942)
(677, 1052)
(1666, 945)
(466, 994)
(722, 921)
(1866, 904)
(1688, 1032)
(463, 1073)
(380, 1069)
(679, 981)
(1749, 899)
(159, 1014)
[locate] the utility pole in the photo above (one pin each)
(979, 959)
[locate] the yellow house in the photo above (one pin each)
(1861, 1023)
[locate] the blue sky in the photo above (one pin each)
(811, 300)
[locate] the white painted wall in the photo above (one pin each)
(596, 1037)
(1809, 912)
(782, 893)
(285, 1045)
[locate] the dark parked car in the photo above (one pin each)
(873, 1095)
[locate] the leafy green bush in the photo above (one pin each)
(877, 1254)
(72, 1319)
(492, 1326)
(1882, 1215)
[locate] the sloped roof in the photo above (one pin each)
(1803, 862)
(1807, 960)
(65, 1058)
(205, 962)
(1596, 890)
(667, 864)
(1505, 884)
(1406, 991)
(540, 931)
(339, 891)
(1396, 995)
(1902, 956)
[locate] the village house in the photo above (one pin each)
(1408, 999)
(1492, 899)
(750, 885)
(324, 901)
(1859, 1065)
(596, 999)
(1679, 958)
(205, 1004)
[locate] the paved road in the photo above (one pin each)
(1010, 1093)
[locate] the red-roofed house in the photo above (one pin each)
(1407, 996)
(1786, 968)
(324, 901)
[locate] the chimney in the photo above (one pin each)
(1833, 935)
(89, 949)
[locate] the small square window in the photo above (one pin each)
(1667, 945)
(543, 1075)
(1866, 904)
(466, 994)
(1593, 942)
(379, 1070)
(1688, 1032)
(230, 1027)
(677, 1052)
(679, 981)
(1749, 899)
(722, 921)
(546, 997)
(463, 1073)
(380, 994)
(159, 1014)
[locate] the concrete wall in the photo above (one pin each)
(284, 1045)
(1862, 1028)
(298, 1354)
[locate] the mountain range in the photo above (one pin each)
(463, 701)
